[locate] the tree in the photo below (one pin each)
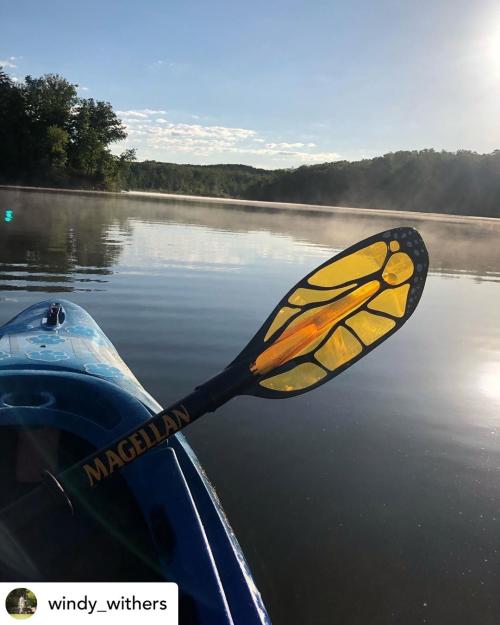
(128, 156)
(14, 130)
(50, 135)
(57, 141)
(49, 102)
(95, 126)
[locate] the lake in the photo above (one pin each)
(374, 499)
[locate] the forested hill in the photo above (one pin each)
(461, 183)
(213, 180)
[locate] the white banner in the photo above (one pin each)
(116, 603)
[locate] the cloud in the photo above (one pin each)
(164, 63)
(284, 146)
(163, 139)
(9, 63)
(195, 138)
(304, 157)
(175, 67)
(140, 113)
(83, 88)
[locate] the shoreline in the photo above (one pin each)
(282, 206)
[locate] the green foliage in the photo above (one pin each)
(212, 180)
(57, 141)
(15, 140)
(95, 126)
(48, 135)
(49, 100)
(12, 600)
(461, 183)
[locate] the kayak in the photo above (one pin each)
(65, 392)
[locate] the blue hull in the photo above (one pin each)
(66, 376)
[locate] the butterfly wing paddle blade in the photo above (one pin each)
(337, 314)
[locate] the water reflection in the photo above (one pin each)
(55, 245)
(489, 381)
(67, 242)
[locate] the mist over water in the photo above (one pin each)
(374, 499)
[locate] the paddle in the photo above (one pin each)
(328, 321)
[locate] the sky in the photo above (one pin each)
(272, 83)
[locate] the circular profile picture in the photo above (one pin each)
(21, 603)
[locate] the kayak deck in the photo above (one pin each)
(66, 383)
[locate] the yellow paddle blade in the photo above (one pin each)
(337, 314)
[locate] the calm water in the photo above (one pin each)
(372, 500)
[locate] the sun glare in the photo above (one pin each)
(493, 49)
(489, 381)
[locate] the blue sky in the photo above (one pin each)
(274, 83)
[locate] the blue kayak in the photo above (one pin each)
(65, 392)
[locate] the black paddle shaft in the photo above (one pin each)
(102, 464)
(25, 523)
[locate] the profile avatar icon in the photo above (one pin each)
(21, 603)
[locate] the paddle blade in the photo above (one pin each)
(337, 314)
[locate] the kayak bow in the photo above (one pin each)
(64, 392)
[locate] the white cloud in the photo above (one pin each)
(284, 146)
(201, 140)
(303, 157)
(83, 88)
(132, 114)
(163, 63)
(154, 112)
(163, 139)
(167, 64)
(140, 113)
(9, 63)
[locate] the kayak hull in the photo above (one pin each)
(65, 375)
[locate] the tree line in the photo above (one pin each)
(213, 180)
(460, 183)
(50, 136)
